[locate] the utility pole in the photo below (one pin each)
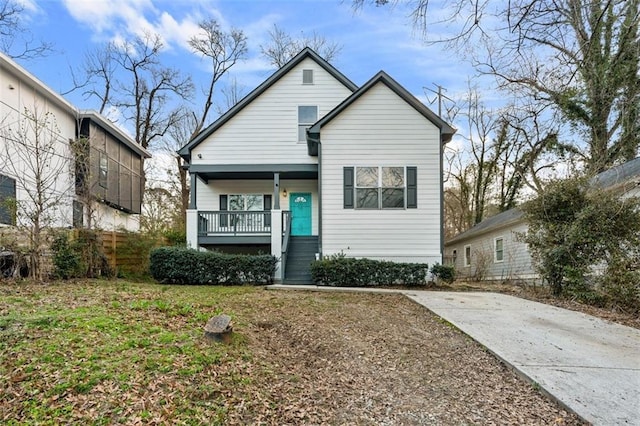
(439, 96)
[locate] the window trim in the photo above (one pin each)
(306, 125)
(309, 72)
(495, 249)
(380, 188)
(467, 257)
(244, 201)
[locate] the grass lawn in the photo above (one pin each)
(114, 352)
(111, 352)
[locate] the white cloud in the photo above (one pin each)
(108, 16)
(173, 31)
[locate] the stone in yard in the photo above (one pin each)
(219, 328)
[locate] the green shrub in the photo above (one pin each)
(573, 226)
(175, 237)
(181, 265)
(445, 273)
(79, 254)
(343, 271)
(67, 261)
(621, 285)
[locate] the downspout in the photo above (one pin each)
(441, 199)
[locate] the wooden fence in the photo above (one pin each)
(129, 252)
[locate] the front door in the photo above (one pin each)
(300, 206)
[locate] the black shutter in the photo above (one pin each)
(412, 187)
(348, 187)
(223, 208)
(267, 207)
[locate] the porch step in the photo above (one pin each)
(301, 252)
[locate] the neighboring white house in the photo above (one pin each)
(111, 177)
(492, 250)
(308, 165)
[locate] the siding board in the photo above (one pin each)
(266, 130)
(380, 129)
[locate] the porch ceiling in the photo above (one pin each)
(254, 171)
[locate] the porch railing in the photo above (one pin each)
(234, 223)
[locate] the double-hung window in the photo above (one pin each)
(380, 187)
(467, 255)
(307, 116)
(498, 250)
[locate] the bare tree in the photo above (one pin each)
(179, 133)
(13, 32)
(100, 69)
(581, 57)
(223, 50)
(505, 150)
(232, 93)
(157, 215)
(147, 87)
(282, 47)
(35, 156)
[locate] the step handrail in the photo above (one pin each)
(286, 220)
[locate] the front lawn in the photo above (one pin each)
(102, 352)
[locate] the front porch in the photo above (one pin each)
(254, 208)
(241, 227)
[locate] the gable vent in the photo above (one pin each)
(307, 76)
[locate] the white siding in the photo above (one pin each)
(208, 195)
(110, 219)
(266, 130)
(517, 263)
(19, 91)
(16, 96)
(381, 129)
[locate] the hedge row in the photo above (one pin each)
(180, 265)
(351, 272)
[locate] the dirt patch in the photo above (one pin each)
(382, 359)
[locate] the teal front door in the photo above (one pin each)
(300, 206)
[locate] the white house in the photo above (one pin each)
(39, 130)
(493, 250)
(309, 165)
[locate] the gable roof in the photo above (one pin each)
(494, 222)
(446, 131)
(307, 52)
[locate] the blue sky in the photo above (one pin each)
(373, 39)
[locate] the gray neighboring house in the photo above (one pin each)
(492, 249)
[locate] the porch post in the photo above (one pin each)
(192, 192)
(276, 242)
(276, 191)
(192, 228)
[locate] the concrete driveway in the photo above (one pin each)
(591, 366)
